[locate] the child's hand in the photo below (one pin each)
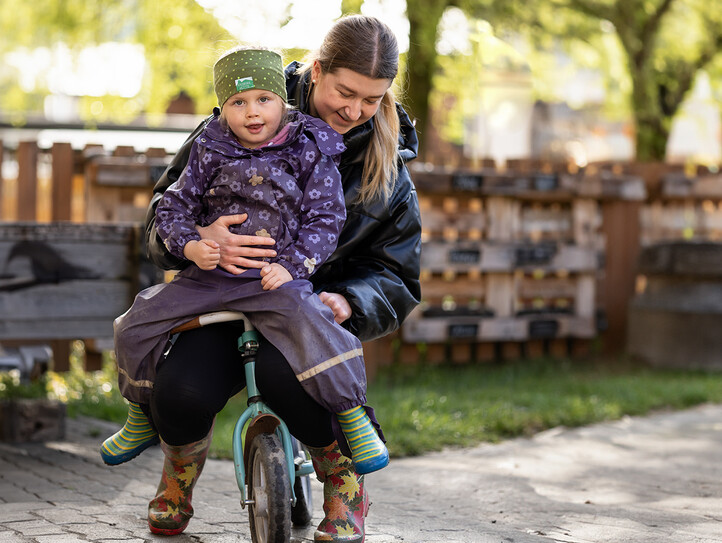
(205, 253)
(273, 276)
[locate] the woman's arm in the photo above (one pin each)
(380, 278)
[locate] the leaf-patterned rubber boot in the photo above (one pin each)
(170, 511)
(345, 502)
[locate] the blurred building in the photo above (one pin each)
(511, 124)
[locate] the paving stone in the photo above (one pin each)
(654, 479)
(100, 530)
(65, 515)
(65, 538)
(34, 527)
(29, 506)
(6, 536)
(11, 515)
(11, 494)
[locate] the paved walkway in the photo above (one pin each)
(656, 479)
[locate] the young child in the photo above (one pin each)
(279, 166)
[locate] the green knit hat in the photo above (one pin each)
(245, 69)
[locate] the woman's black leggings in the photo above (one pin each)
(204, 369)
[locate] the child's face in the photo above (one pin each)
(254, 116)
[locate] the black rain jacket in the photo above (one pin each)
(376, 264)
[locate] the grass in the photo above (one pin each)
(426, 408)
(423, 409)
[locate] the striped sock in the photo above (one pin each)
(368, 451)
(134, 437)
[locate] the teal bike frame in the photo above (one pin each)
(259, 418)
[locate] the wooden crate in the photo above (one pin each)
(64, 280)
(441, 257)
(684, 219)
(452, 218)
(119, 186)
(507, 257)
(681, 298)
(503, 306)
(24, 420)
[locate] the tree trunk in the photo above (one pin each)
(652, 125)
(651, 139)
(424, 17)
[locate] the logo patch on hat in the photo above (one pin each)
(244, 84)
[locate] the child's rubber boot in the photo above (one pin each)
(345, 501)
(368, 451)
(134, 437)
(170, 511)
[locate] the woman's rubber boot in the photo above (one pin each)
(133, 438)
(345, 501)
(368, 451)
(170, 511)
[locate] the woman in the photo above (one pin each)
(371, 282)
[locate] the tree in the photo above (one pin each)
(666, 43)
(422, 60)
(180, 39)
(351, 6)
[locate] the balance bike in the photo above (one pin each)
(272, 467)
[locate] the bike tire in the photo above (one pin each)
(270, 491)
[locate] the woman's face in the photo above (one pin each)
(345, 99)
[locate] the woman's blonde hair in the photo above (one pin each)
(367, 46)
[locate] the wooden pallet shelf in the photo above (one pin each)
(509, 257)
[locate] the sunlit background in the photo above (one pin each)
(499, 91)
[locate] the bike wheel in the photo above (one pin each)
(302, 512)
(269, 489)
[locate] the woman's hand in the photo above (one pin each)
(338, 304)
(238, 253)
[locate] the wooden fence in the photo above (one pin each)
(530, 259)
(71, 243)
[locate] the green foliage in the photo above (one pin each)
(665, 44)
(11, 387)
(76, 23)
(180, 39)
(93, 394)
(424, 17)
(458, 86)
(293, 53)
(649, 53)
(351, 6)
(182, 43)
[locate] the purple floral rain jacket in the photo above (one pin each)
(291, 192)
